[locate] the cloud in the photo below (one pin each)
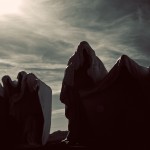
(51, 30)
(58, 111)
(58, 120)
(120, 25)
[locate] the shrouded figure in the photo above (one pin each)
(117, 108)
(84, 70)
(29, 110)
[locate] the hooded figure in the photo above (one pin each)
(117, 108)
(14, 90)
(29, 101)
(85, 57)
(11, 92)
(83, 72)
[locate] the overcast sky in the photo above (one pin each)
(43, 34)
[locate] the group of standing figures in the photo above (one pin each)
(106, 108)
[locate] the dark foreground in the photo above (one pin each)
(59, 146)
(54, 143)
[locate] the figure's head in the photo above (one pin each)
(6, 80)
(20, 75)
(86, 59)
(83, 56)
(84, 43)
(86, 52)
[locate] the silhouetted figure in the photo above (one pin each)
(29, 101)
(106, 108)
(118, 107)
(10, 88)
(84, 70)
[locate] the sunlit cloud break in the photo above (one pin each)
(10, 6)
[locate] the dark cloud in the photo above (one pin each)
(104, 12)
(125, 22)
(56, 51)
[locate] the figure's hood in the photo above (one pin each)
(95, 68)
(21, 75)
(8, 82)
(77, 60)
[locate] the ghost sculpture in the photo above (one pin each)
(118, 106)
(84, 71)
(29, 104)
(112, 109)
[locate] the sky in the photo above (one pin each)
(39, 36)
